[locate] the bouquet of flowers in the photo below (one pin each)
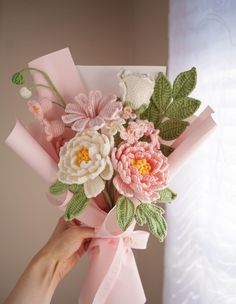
(109, 159)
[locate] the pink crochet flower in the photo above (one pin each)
(52, 129)
(141, 170)
(39, 109)
(128, 113)
(91, 112)
(137, 129)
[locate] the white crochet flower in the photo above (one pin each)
(85, 160)
(137, 88)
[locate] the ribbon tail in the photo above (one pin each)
(112, 277)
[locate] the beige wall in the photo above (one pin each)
(97, 32)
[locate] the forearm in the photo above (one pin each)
(37, 284)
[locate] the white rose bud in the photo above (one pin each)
(137, 88)
(25, 92)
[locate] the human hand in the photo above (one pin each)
(65, 247)
(51, 264)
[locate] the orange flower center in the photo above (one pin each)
(142, 165)
(36, 109)
(82, 155)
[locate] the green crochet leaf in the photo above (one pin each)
(184, 83)
(171, 129)
(162, 92)
(18, 78)
(125, 212)
(151, 215)
(58, 188)
(158, 227)
(166, 150)
(140, 216)
(166, 195)
(152, 113)
(183, 108)
(76, 188)
(75, 206)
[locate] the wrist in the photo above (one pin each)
(44, 266)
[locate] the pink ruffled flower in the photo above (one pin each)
(128, 113)
(141, 169)
(40, 109)
(137, 129)
(53, 129)
(91, 112)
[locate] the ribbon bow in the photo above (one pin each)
(112, 276)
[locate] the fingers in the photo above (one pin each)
(78, 234)
(84, 232)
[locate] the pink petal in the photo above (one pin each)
(106, 100)
(96, 123)
(94, 98)
(111, 109)
(79, 125)
(73, 108)
(122, 188)
(82, 100)
(69, 118)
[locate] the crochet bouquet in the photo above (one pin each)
(109, 157)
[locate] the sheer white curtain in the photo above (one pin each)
(200, 253)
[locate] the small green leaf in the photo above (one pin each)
(183, 108)
(152, 114)
(166, 150)
(152, 215)
(184, 83)
(75, 188)
(150, 209)
(125, 212)
(140, 216)
(162, 92)
(75, 206)
(171, 129)
(58, 188)
(141, 109)
(166, 195)
(158, 227)
(18, 78)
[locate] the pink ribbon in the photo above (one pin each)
(112, 276)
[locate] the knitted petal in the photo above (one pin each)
(93, 187)
(79, 125)
(96, 123)
(108, 171)
(121, 187)
(69, 118)
(111, 110)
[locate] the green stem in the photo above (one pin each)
(51, 85)
(47, 87)
(58, 104)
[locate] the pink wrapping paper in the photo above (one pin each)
(112, 276)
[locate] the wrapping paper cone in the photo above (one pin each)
(112, 276)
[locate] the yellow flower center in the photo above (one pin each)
(142, 165)
(82, 155)
(36, 109)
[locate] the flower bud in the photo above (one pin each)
(25, 92)
(137, 88)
